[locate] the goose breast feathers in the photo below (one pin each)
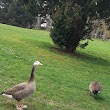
(95, 86)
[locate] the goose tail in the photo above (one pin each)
(6, 95)
(1, 93)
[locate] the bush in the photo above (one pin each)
(68, 26)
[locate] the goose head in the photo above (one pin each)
(37, 63)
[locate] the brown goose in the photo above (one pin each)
(95, 87)
(23, 90)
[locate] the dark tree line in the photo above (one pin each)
(72, 19)
(18, 12)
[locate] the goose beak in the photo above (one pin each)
(41, 64)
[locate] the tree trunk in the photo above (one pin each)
(71, 49)
(38, 23)
(104, 31)
(50, 23)
(47, 24)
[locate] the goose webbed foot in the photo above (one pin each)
(19, 108)
(24, 106)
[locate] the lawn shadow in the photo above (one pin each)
(82, 57)
(78, 55)
(91, 59)
(98, 98)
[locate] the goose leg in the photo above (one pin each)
(23, 106)
(95, 96)
(90, 93)
(19, 106)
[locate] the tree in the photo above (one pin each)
(69, 26)
(71, 23)
(67, 30)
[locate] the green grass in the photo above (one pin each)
(62, 82)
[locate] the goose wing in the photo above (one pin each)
(19, 95)
(16, 88)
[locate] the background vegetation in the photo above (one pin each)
(72, 19)
(62, 82)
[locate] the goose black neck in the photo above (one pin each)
(32, 74)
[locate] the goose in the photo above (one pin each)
(95, 88)
(23, 90)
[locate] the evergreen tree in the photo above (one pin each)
(72, 21)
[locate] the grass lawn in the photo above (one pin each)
(62, 82)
